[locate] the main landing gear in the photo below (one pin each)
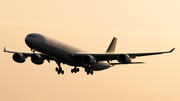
(89, 70)
(59, 70)
(75, 70)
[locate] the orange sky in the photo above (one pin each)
(140, 26)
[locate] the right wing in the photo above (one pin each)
(45, 56)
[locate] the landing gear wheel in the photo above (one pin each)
(72, 70)
(86, 69)
(77, 69)
(87, 72)
(56, 69)
(58, 72)
(91, 72)
(62, 72)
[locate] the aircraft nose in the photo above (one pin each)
(28, 41)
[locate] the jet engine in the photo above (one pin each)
(90, 60)
(37, 59)
(18, 57)
(124, 58)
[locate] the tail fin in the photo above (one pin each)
(112, 46)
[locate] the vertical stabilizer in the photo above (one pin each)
(112, 46)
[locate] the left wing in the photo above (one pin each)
(106, 57)
(146, 54)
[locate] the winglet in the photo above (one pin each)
(112, 46)
(4, 49)
(172, 50)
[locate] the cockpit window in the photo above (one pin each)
(31, 36)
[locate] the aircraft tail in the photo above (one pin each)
(112, 46)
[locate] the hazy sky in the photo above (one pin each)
(139, 25)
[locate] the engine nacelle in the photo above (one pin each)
(124, 58)
(18, 57)
(37, 59)
(90, 60)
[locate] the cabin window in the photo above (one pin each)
(31, 36)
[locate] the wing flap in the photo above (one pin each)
(126, 63)
(98, 57)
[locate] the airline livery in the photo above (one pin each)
(59, 52)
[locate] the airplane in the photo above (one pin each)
(60, 52)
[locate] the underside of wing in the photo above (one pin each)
(151, 53)
(98, 57)
(37, 58)
(121, 58)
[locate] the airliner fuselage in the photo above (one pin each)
(59, 50)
